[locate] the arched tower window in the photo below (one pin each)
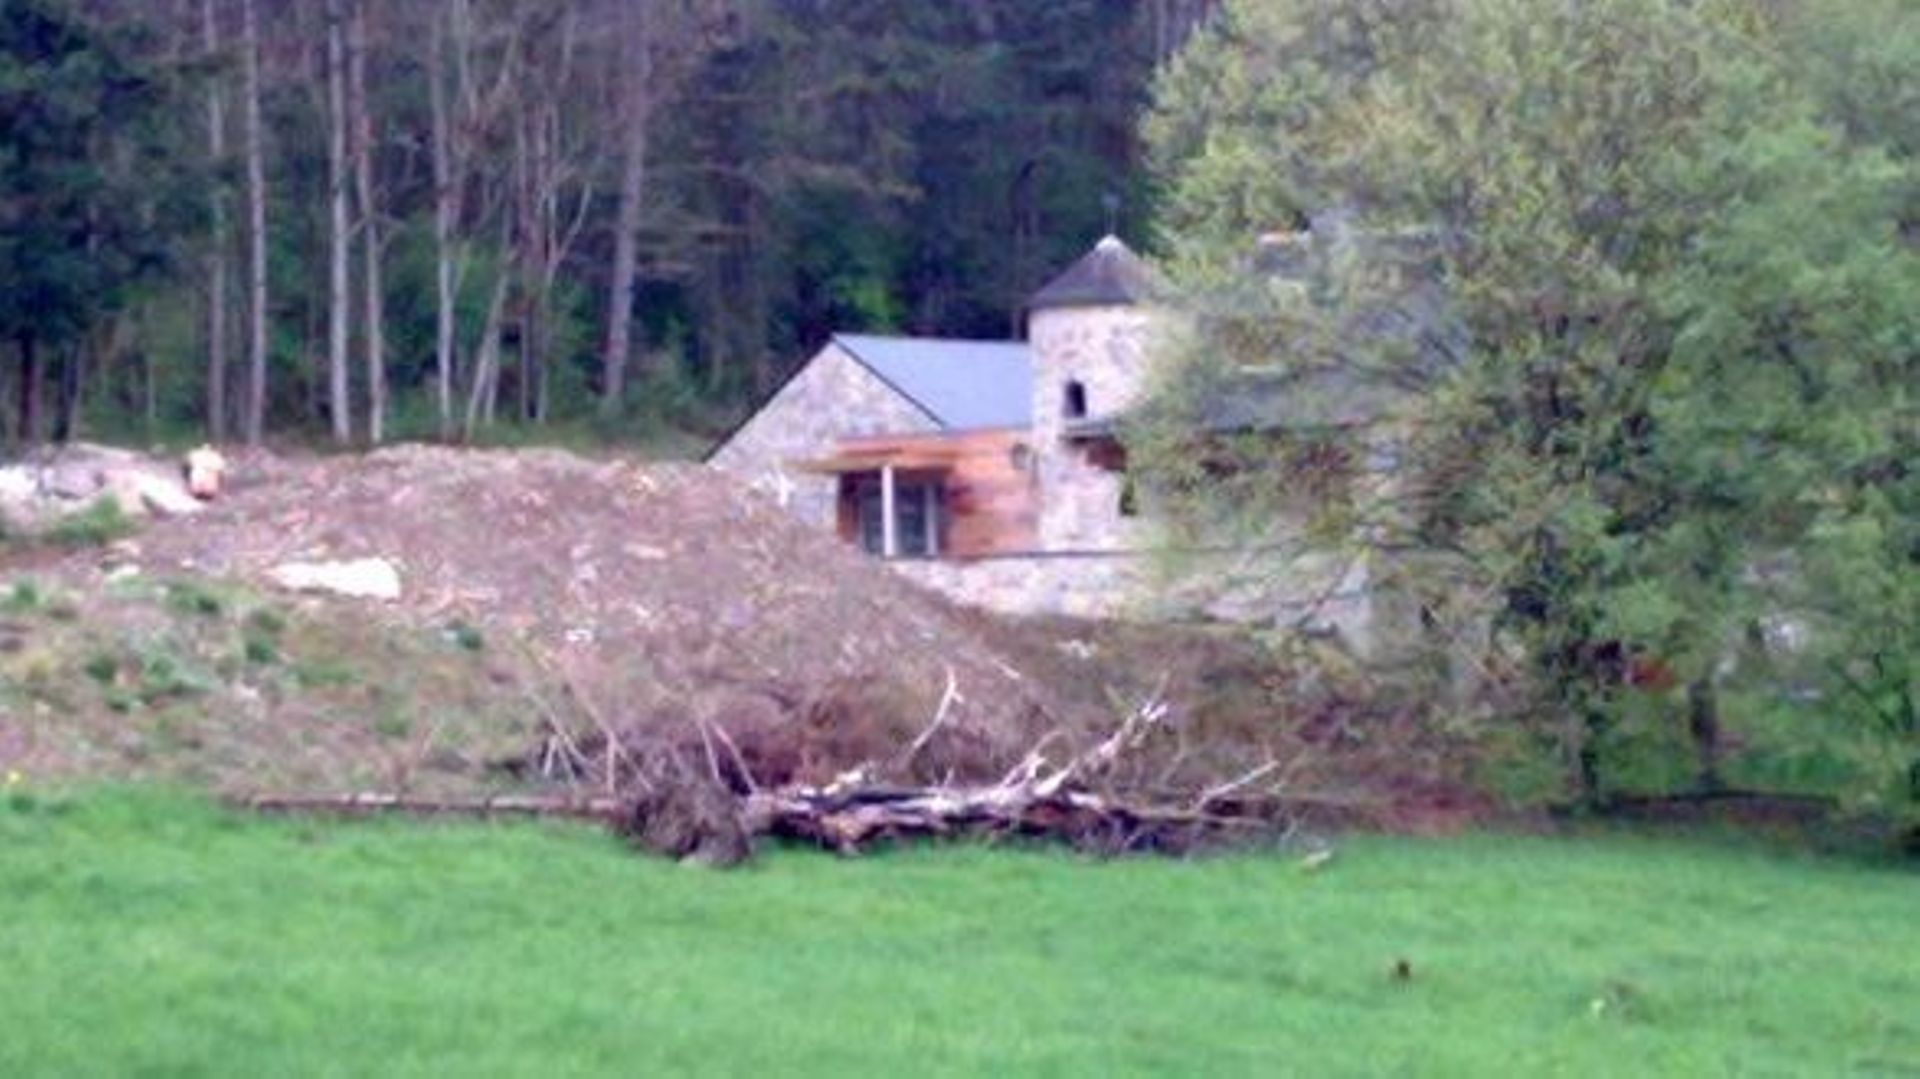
(1073, 404)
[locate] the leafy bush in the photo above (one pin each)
(99, 524)
(23, 597)
(190, 597)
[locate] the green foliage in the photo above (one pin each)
(1677, 240)
(23, 597)
(464, 635)
(1611, 954)
(89, 200)
(101, 523)
(194, 598)
(878, 166)
(166, 673)
(261, 637)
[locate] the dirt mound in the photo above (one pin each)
(652, 594)
(546, 618)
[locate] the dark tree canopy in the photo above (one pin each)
(83, 180)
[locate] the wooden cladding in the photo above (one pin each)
(988, 495)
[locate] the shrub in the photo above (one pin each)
(465, 636)
(99, 524)
(23, 597)
(187, 597)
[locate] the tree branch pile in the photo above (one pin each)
(701, 798)
(698, 798)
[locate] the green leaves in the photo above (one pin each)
(1679, 238)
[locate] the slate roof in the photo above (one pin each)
(1109, 274)
(963, 385)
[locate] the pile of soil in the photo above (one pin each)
(655, 594)
(599, 603)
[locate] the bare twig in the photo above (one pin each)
(746, 774)
(1215, 793)
(713, 760)
(947, 700)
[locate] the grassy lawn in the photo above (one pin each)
(141, 933)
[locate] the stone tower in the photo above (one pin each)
(1087, 331)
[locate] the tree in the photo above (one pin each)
(360, 109)
(339, 225)
(1683, 406)
(88, 203)
(217, 254)
(718, 182)
(254, 416)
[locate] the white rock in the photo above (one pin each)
(139, 490)
(361, 578)
(17, 484)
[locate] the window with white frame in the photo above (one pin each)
(917, 517)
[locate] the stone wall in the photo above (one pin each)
(833, 396)
(1103, 349)
(1328, 594)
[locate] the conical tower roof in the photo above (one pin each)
(1109, 275)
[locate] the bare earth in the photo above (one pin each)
(596, 594)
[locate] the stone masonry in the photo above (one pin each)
(1102, 349)
(831, 398)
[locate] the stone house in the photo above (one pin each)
(987, 469)
(994, 471)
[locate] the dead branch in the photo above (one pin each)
(693, 809)
(947, 701)
(356, 804)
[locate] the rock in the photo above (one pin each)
(71, 479)
(362, 578)
(17, 484)
(62, 479)
(19, 492)
(139, 490)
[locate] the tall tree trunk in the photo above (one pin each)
(636, 105)
(31, 389)
(149, 393)
(526, 212)
(1703, 725)
(446, 216)
(486, 365)
(374, 335)
(72, 384)
(340, 235)
(256, 410)
(217, 241)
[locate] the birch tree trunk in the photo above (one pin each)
(446, 218)
(217, 241)
(486, 364)
(635, 105)
(256, 409)
(374, 334)
(339, 227)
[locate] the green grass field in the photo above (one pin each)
(142, 933)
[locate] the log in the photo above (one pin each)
(366, 803)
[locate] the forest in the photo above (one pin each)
(353, 221)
